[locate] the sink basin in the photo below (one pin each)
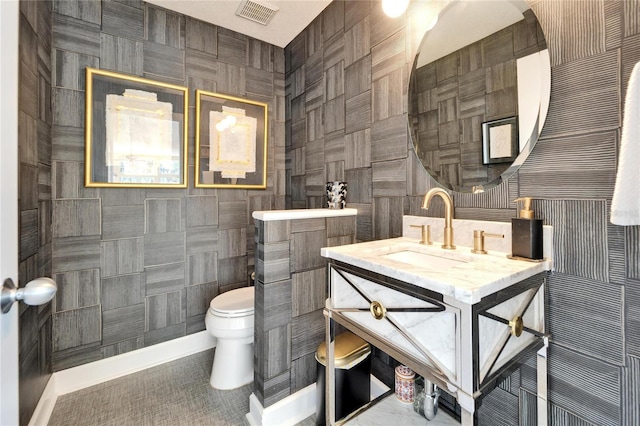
(423, 260)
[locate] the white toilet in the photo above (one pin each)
(230, 320)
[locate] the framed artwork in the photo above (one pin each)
(500, 141)
(231, 142)
(135, 131)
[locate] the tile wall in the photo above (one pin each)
(291, 289)
(34, 147)
(346, 89)
(136, 267)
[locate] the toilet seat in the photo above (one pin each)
(234, 303)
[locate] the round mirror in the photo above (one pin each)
(479, 92)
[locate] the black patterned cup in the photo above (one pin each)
(336, 195)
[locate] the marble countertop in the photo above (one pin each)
(468, 280)
(302, 214)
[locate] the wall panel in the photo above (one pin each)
(156, 256)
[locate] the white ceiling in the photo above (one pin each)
(292, 18)
(478, 18)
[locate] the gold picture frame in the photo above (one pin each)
(231, 142)
(135, 131)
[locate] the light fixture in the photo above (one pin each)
(394, 8)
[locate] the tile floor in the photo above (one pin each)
(172, 394)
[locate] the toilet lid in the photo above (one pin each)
(235, 302)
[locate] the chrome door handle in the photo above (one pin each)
(36, 292)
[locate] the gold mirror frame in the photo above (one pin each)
(231, 142)
(135, 132)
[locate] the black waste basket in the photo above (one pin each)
(353, 380)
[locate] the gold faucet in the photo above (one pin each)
(448, 214)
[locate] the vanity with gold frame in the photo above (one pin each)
(443, 126)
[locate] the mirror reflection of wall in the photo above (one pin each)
(534, 91)
(458, 87)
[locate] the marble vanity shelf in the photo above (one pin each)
(390, 411)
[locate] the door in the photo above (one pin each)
(9, 14)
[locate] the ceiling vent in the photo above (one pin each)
(261, 13)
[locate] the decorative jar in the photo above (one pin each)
(405, 384)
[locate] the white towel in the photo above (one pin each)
(625, 206)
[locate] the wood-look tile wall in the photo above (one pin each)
(34, 148)
(351, 65)
(137, 267)
(291, 288)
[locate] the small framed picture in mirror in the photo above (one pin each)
(500, 140)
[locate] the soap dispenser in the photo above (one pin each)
(526, 233)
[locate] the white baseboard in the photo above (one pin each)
(93, 373)
(295, 408)
(45, 406)
(286, 412)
